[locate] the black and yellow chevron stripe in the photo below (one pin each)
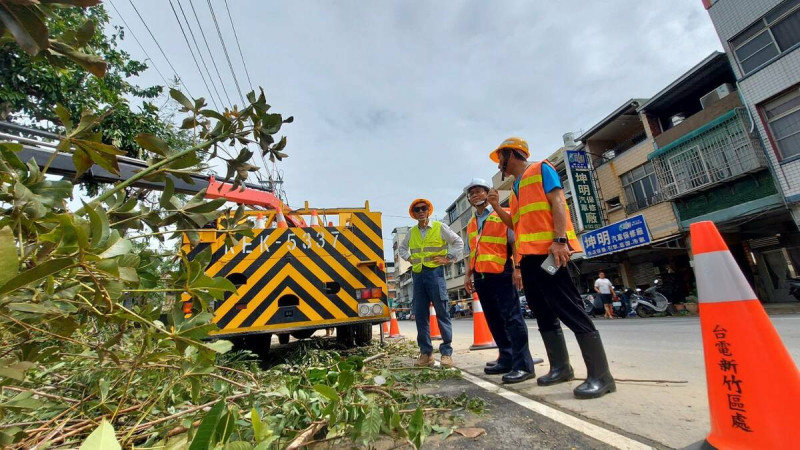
(299, 277)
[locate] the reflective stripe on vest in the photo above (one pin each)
(489, 248)
(424, 250)
(533, 217)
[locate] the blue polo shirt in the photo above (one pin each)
(550, 180)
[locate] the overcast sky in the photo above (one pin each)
(395, 100)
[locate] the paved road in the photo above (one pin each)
(673, 414)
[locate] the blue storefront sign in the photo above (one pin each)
(623, 235)
(577, 160)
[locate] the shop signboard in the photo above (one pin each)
(620, 236)
(580, 175)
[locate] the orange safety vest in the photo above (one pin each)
(533, 219)
(488, 250)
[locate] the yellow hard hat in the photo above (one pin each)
(513, 143)
(420, 200)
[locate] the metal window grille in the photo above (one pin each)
(720, 153)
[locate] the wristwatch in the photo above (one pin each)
(560, 240)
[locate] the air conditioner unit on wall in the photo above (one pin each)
(720, 92)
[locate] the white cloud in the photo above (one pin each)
(396, 100)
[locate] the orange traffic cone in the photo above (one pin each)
(753, 383)
(482, 338)
(280, 220)
(436, 334)
(314, 218)
(394, 329)
(385, 328)
(260, 222)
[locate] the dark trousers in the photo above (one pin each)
(553, 298)
(500, 304)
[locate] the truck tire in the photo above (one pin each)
(345, 336)
(362, 333)
(259, 344)
(283, 339)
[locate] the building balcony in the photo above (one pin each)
(719, 150)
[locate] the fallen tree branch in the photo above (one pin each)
(633, 380)
(309, 432)
(374, 357)
(147, 425)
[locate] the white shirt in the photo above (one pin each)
(604, 284)
(454, 242)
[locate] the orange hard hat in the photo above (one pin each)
(514, 143)
(420, 200)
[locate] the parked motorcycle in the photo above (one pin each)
(650, 301)
(593, 305)
(527, 312)
(794, 288)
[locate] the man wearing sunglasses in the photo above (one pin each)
(542, 227)
(429, 246)
(491, 263)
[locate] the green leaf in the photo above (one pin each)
(92, 63)
(151, 142)
(238, 445)
(36, 273)
(220, 346)
(9, 152)
(17, 370)
(203, 439)
(116, 246)
(99, 225)
(259, 430)
(9, 261)
(64, 116)
(371, 426)
(327, 391)
(416, 428)
(182, 99)
(84, 33)
(102, 438)
(82, 162)
(205, 207)
(28, 29)
(346, 380)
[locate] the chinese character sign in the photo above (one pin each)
(623, 235)
(584, 194)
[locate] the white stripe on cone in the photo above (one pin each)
(432, 310)
(719, 279)
(476, 306)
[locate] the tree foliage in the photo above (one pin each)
(32, 83)
(92, 350)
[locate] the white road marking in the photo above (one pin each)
(601, 434)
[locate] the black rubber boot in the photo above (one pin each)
(599, 381)
(560, 370)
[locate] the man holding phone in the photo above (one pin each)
(545, 239)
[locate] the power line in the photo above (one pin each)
(166, 83)
(210, 53)
(180, 80)
(185, 38)
(199, 52)
(236, 36)
(225, 50)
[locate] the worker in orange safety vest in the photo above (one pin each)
(542, 228)
(489, 268)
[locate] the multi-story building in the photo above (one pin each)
(402, 270)
(762, 42)
(391, 283)
(711, 166)
(631, 200)
(457, 217)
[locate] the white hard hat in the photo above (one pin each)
(477, 182)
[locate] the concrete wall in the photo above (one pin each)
(730, 17)
(660, 217)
